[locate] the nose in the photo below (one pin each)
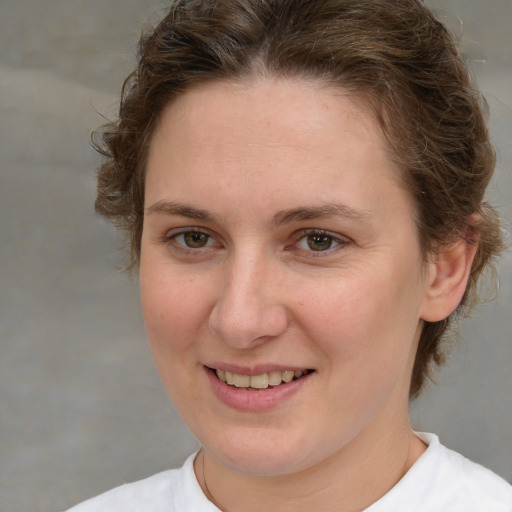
(248, 310)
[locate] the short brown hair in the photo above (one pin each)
(393, 53)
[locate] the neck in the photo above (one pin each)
(350, 480)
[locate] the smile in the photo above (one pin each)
(258, 382)
(255, 389)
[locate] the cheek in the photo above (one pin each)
(367, 319)
(366, 332)
(174, 308)
(173, 315)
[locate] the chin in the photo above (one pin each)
(257, 454)
(256, 463)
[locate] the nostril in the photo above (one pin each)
(245, 327)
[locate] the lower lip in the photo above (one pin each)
(261, 400)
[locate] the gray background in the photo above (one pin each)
(81, 408)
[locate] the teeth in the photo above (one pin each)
(262, 381)
(242, 381)
(274, 378)
(288, 375)
(259, 381)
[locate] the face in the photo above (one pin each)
(279, 254)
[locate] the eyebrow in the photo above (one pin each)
(321, 212)
(183, 210)
(282, 217)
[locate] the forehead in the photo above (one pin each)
(268, 134)
(295, 103)
(269, 112)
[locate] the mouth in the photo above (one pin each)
(260, 382)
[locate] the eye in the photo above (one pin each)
(319, 241)
(192, 239)
(316, 242)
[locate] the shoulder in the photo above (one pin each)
(151, 493)
(174, 490)
(472, 483)
(442, 479)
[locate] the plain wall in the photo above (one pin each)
(81, 407)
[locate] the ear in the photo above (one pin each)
(447, 278)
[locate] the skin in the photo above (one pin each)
(236, 162)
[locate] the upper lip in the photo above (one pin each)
(258, 369)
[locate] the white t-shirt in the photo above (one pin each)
(441, 480)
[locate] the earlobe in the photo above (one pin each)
(447, 278)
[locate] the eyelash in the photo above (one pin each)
(171, 237)
(340, 241)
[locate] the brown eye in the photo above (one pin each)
(319, 242)
(194, 239)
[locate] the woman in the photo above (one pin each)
(303, 186)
